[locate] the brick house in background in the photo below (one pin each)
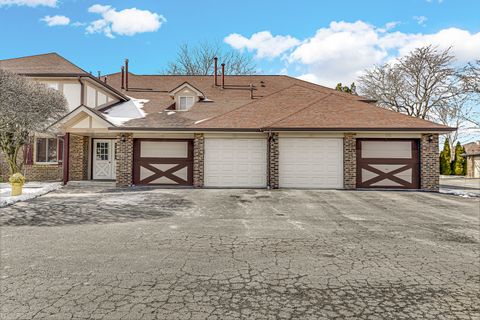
(472, 152)
(254, 131)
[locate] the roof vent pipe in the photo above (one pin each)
(123, 76)
(98, 75)
(215, 71)
(251, 91)
(223, 75)
(126, 74)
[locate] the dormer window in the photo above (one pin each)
(185, 103)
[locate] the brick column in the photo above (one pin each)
(349, 161)
(198, 159)
(78, 158)
(429, 162)
(124, 163)
(273, 153)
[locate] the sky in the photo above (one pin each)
(321, 41)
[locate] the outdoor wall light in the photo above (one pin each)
(123, 138)
(430, 138)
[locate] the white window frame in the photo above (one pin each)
(46, 146)
(187, 106)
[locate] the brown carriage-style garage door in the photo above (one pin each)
(163, 162)
(387, 163)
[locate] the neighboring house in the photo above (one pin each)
(255, 131)
(43, 158)
(472, 151)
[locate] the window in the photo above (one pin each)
(185, 103)
(46, 150)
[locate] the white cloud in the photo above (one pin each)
(264, 43)
(420, 20)
(56, 20)
(29, 3)
(127, 22)
(343, 50)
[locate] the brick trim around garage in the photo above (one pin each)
(349, 161)
(124, 163)
(273, 155)
(198, 160)
(429, 163)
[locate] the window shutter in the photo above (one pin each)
(28, 153)
(60, 150)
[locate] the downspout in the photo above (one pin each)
(66, 159)
(82, 91)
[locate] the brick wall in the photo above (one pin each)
(124, 163)
(198, 159)
(78, 158)
(273, 179)
(349, 161)
(429, 162)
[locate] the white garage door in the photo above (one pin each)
(235, 163)
(310, 163)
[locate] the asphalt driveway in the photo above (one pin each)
(230, 254)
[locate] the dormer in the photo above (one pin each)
(185, 96)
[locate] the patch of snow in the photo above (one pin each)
(30, 190)
(170, 112)
(200, 121)
(460, 193)
(126, 111)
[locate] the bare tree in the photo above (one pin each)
(199, 60)
(25, 107)
(416, 84)
(425, 84)
(471, 76)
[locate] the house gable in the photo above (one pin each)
(83, 119)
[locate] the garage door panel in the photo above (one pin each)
(310, 163)
(235, 163)
(163, 162)
(387, 163)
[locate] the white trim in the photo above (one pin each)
(181, 87)
(86, 110)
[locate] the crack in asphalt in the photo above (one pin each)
(206, 254)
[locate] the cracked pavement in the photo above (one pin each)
(86, 253)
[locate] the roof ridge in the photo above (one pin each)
(301, 109)
(336, 92)
(33, 55)
(245, 105)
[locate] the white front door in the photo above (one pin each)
(104, 159)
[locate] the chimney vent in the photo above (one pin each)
(126, 74)
(223, 75)
(123, 76)
(215, 71)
